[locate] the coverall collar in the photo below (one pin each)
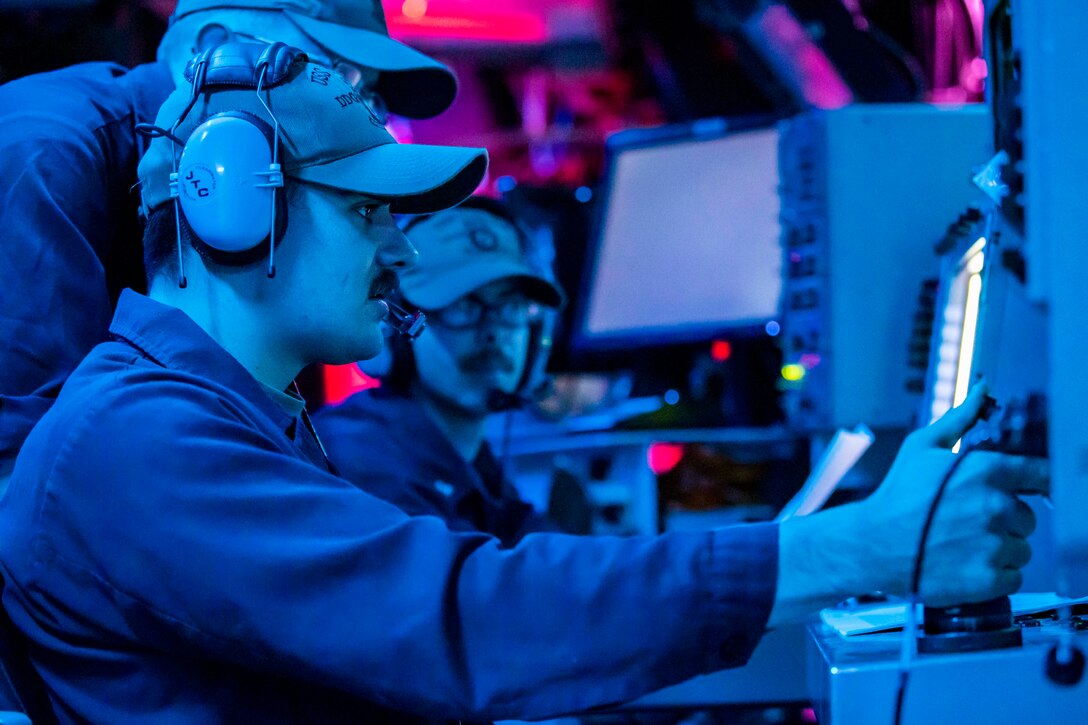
(171, 338)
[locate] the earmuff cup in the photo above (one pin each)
(223, 188)
(258, 253)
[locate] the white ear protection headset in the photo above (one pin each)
(227, 169)
(225, 177)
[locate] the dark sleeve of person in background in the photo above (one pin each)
(385, 443)
(69, 233)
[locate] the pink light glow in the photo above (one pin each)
(663, 457)
(977, 10)
(163, 8)
(802, 60)
(343, 381)
(505, 27)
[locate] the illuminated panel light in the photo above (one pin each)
(970, 325)
(956, 349)
(793, 372)
(721, 350)
(663, 457)
(343, 381)
(510, 27)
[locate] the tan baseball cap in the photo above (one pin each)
(411, 83)
(330, 136)
(463, 249)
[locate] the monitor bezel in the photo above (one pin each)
(605, 344)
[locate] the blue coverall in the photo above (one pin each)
(176, 551)
(387, 445)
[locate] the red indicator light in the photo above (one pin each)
(663, 457)
(721, 350)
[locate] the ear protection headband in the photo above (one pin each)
(225, 177)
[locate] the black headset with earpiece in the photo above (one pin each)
(226, 172)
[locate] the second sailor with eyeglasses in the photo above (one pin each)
(418, 441)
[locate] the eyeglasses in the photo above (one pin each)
(469, 311)
(376, 102)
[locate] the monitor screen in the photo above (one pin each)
(687, 241)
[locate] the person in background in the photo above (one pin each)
(68, 155)
(418, 440)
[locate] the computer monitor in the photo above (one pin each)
(686, 242)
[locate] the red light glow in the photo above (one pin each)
(663, 457)
(343, 381)
(721, 350)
